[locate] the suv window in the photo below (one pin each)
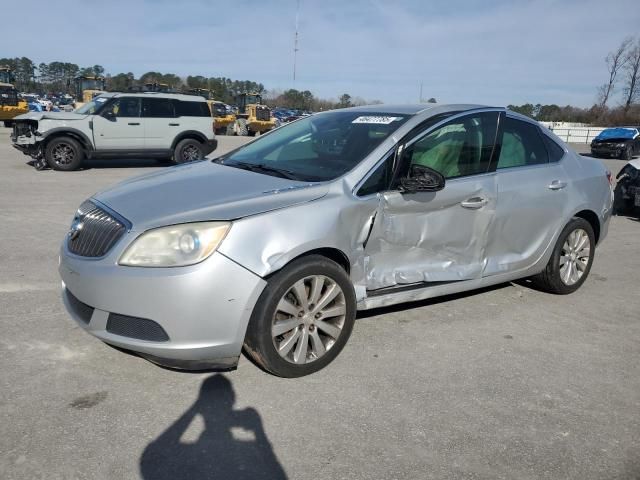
(157, 108)
(522, 145)
(191, 109)
(123, 107)
(459, 148)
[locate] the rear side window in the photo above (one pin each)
(522, 145)
(157, 108)
(191, 109)
(555, 151)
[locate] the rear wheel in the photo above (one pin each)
(303, 318)
(188, 150)
(571, 260)
(64, 153)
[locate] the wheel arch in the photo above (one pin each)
(332, 253)
(591, 217)
(84, 141)
(192, 134)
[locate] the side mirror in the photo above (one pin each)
(109, 115)
(422, 179)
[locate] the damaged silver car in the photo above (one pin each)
(276, 245)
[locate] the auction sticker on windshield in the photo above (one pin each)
(377, 119)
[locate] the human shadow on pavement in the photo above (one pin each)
(233, 444)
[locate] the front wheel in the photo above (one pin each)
(303, 318)
(188, 150)
(64, 153)
(627, 153)
(571, 259)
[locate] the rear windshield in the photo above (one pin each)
(319, 147)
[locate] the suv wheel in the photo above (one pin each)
(571, 259)
(303, 318)
(64, 153)
(188, 150)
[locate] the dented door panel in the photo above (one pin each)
(431, 236)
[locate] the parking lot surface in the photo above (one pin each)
(507, 382)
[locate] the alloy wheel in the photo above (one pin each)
(190, 153)
(575, 256)
(63, 154)
(308, 319)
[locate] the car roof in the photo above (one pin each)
(177, 96)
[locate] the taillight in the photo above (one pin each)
(610, 178)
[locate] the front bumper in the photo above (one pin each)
(203, 309)
(606, 152)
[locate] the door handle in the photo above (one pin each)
(474, 203)
(174, 124)
(557, 185)
(133, 123)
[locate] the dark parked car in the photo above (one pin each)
(620, 142)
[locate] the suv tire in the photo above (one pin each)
(188, 150)
(64, 153)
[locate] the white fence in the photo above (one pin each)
(573, 133)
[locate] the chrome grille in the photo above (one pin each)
(93, 231)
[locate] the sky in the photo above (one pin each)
(487, 51)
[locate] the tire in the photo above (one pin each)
(627, 153)
(553, 278)
(251, 133)
(64, 154)
(303, 335)
(242, 127)
(188, 150)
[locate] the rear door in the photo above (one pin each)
(426, 237)
(161, 125)
(532, 197)
(119, 125)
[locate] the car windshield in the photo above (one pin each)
(316, 148)
(93, 107)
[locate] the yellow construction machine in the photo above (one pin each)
(223, 120)
(87, 88)
(252, 116)
(10, 104)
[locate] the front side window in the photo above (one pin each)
(522, 145)
(317, 148)
(459, 148)
(124, 107)
(157, 108)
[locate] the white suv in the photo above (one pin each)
(158, 125)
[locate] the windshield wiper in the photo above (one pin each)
(261, 167)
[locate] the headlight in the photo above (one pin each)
(621, 145)
(176, 245)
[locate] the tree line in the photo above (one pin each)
(58, 77)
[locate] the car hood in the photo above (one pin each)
(51, 116)
(203, 191)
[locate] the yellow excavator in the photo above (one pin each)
(223, 120)
(87, 88)
(252, 117)
(10, 104)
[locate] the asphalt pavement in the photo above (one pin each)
(506, 382)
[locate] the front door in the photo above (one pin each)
(427, 237)
(119, 126)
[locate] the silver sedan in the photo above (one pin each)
(276, 245)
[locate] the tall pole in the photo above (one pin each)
(295, 43)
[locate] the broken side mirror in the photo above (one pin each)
(422, 179)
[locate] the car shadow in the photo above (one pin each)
(125, 163)
(233, 444)
(428, 302)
